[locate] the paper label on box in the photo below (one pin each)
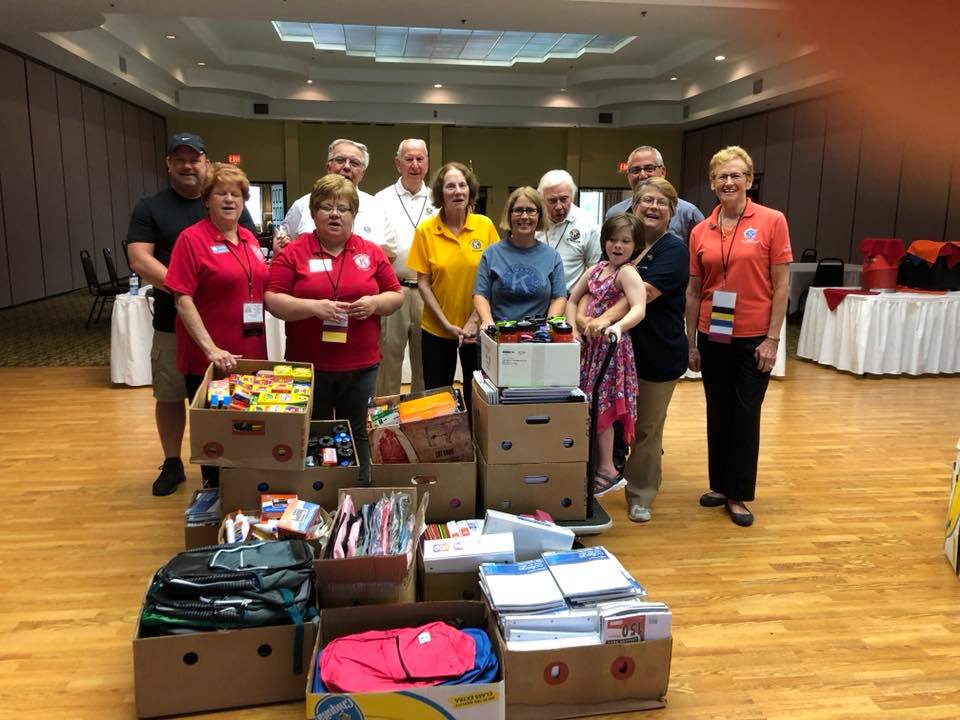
(628, 629)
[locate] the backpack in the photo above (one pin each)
(233, 586)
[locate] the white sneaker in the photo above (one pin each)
(638, 513)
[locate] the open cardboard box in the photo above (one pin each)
(448, 586)
(530, 433)
(588, 680)
(239, 438)
(559, 488)
(480, 701)
(176, 674)
(436, 440)
(452, 486)
(530, 364)
(375, 579)
(242, 487)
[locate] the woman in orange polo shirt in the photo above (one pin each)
(445, 253)
(739, 277)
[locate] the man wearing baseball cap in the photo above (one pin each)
(155, 224)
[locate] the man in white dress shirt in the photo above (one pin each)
(407, 202)
(572, 234)
(349, 159)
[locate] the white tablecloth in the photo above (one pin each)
(779, 365)
(131, 337)
(890, 333)
(801, 275)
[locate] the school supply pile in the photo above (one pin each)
(426, 427)
(283, 389)
(425, 407)
(384, 527)
(532, 330)
(466, 554)
(333, 450)
(280, 516)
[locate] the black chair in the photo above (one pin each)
(829, 273)
(808, 255)
(102, 292)
(121, 285)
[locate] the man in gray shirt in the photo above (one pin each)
(644, 162)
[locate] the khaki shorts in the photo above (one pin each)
(168, 383)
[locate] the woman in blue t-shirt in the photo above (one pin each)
(659, 341)
(520, 277)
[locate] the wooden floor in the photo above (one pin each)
(838, 603)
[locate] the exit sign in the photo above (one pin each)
(233, 158)
(622, 167)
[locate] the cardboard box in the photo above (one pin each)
(480, 701)
(531, 433)
(451, 586)
(452, 486)
(588, 680)
(238, 438)
(442, 439)
(951, 542)
(175, 674)
(559, 488)
(195, 536)
(242, 487)
(530, 364)
(371, 580)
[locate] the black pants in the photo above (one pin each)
(210, 474)
(440, 364)
(346, 395)
(734, 390)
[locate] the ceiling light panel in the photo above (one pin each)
(447, 45)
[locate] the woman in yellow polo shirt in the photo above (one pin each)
(445, 254)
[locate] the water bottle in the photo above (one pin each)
(134, 284)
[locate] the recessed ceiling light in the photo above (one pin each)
(201, 63)
(309, 81)
(438, 85)
(171, 37)
(674, 77)
(720, 58)
(563, 89)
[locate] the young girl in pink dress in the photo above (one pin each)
(621, 240)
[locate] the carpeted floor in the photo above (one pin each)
(50, 332)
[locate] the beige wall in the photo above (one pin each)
(260, 143)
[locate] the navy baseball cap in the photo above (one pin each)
(194, 142)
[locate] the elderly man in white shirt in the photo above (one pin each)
(572, 234)
(349, 159)
(406, 202)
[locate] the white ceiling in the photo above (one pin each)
(246, 62)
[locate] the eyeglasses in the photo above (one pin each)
(524, 211)
(648, 169)
(649, 201)
(735, 176)
(340, 161)
(327, 208)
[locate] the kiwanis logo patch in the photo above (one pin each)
(362, 261)
(750, 235)
(475, 244)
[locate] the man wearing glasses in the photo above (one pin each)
(644, 162)
(349, 159)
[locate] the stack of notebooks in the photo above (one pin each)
(525, 395)
(571, 598)
(204, 509)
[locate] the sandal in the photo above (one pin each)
(603, 484)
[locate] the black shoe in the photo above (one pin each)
(708, 500)
(171, 475)
(741, 519)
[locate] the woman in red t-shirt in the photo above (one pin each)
(331, 287)
(739, 277)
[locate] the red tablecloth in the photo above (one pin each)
(889, 248)
(835, 296)
(930, 250)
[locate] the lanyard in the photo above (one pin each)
(566, 225)
(423, 206)
(248, 268)
(725, 261)
(336, 287)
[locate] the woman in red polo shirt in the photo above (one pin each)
(739, 277)
(331, 287)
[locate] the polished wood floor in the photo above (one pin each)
(838, 603)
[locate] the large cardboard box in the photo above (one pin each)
(530, 364)
(480, 701)
(951, 542)
(242, 487)
(448, 586)
(442, 439)
(176, 674)
(531, 433)
(371, 580)
(584, 681)
(452, 486)
(237, 438)
(559, 488)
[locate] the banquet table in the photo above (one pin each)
(893, 333)
(801, 276)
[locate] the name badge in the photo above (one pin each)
(721, 316)
(252, 318)
(218, 249)
(320, 265)
(335, 331)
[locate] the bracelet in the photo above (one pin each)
(773, 338)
